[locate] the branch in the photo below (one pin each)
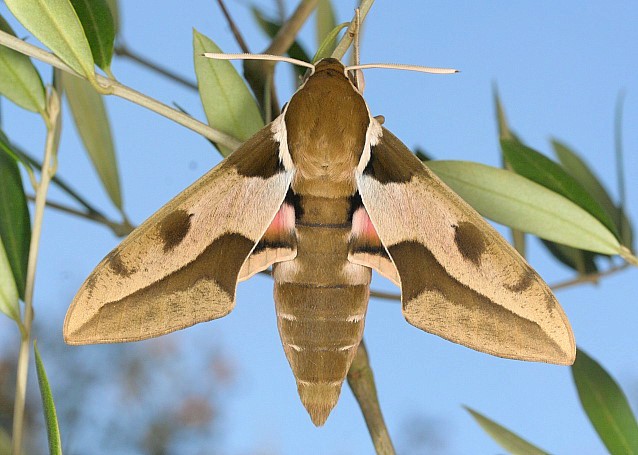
(233, 28)
(347, 38)
(124, 51)
(257, 72)
(115, 88)
(361, 381)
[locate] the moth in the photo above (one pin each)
(324, 194)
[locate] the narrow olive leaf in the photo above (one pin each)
(537, 167)
(515, 201)
(55, 23)
(50, 416)
(92, 122)
(505, 438)
(19, 80)
(578, 260)
(229, 105)
(99, 28)
(9, 304)
(271, 28)
(328, 45)
(518, 238)
(579, 169)
(501, 119)
(606, 406)
(326, 22)
(15, 224)
(115, 14)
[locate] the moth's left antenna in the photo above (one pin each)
(269, 57)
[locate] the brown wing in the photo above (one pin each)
(459, 278)
(181, 266)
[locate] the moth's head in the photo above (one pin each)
(333, 68)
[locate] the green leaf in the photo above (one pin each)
(19, 80)
(606, 406)
(505, 438)
(15, 224)
(115, 14)
(271, 29)
(229, 105)
(326, 22)
(9, 304)
(91, 119)
(579, 260)
(55, 23)
(328, 45)
(50, 416)
(99, 28)
(578, 169)
(537, 167)
(515, 201)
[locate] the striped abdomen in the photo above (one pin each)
(321, 300)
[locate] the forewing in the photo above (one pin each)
(181, 266)
(459, 278)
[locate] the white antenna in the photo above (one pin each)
(400, 66)
(269, 57)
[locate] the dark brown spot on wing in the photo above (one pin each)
(526, 279)
(444, 302)
(174, 228)
(392, 162)
(470, 241)
(258, 156)
(116, 264)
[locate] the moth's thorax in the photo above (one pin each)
(326, 123)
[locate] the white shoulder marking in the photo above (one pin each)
(280, 134)
(373, 135)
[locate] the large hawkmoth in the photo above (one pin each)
(324, 194)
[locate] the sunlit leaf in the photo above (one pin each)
(326, 22)
(91, 119)
(15, 224)
(271, 28)
(540, 169)
(55, 23)
(99, 28)
(19, 80)
(505, 438)
(9, 303)
(578, 169)
(229, 105)
(515, 201)
(606, 406)
(48, 406)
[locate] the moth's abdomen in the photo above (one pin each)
(321, 300)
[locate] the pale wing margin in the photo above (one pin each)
(459, 278)
(180, 267)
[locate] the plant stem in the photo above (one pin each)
(347, 38)
(123, 51)
(113, 87)
(52, 116)
(361, 381)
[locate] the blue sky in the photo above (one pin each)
(559, 67)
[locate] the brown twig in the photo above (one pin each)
(233, 28)
(120, 229)
(257, 72)
(124, 51)
(361, 381)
